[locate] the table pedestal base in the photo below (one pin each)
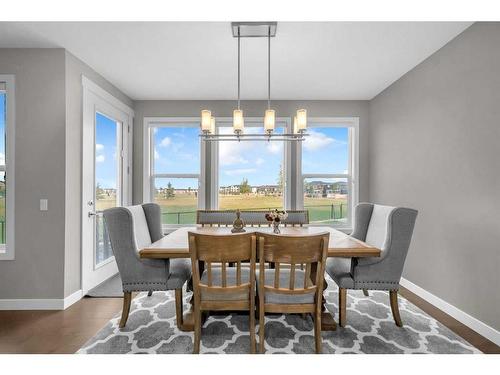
(327, 322)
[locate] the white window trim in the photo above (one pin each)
(8, 249)
(250, 122)
(353, 165)
(148, 156)
(128, 161)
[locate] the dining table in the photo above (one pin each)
(176, 245)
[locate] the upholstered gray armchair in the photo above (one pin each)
(389, 229)
(130, 230)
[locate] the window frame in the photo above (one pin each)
(148, 156)
(352, 176)
(7, 250)
(294, 179)
(250, 122)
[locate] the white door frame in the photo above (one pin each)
(95, 99)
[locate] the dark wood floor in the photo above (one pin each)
(66, 331)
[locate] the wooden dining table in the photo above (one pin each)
(176, 245)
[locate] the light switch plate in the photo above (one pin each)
(44, 204)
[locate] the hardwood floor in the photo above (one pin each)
(66, 331)
(55, 331)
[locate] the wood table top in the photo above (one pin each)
(175, 245)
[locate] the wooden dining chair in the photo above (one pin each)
(218, 287)
(285, 288)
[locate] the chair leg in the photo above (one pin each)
(342, 306)
(251, 313)
(127, 299)
(261, 329)
(365, 292)
(317, 331)
(150, 293)
(178, 307)
(393, 296)
(197, 331)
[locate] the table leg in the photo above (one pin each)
(327, 321)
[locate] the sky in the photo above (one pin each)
(105, 148)
(177, 151)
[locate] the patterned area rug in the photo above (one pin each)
(370, 328)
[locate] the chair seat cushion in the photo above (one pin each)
(231, 278)
(339, 269)
(180, 272)
(287, 299)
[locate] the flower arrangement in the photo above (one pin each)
(276, 217)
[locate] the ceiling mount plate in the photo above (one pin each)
(254, 29)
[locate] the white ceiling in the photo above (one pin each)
(197, 60)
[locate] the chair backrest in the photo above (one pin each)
(250, 217)
(389, 229)
(209, 251)
(130, 229)
(293, 251)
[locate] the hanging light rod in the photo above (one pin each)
(208, 126)
(254, 29)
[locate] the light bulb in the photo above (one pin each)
(269, 120)
(212, 125)
(206, 119)
(301, 119)
(238, 120)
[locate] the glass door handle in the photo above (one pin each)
(91, 213)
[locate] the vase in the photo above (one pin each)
(276, 227)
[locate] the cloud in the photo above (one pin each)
(2, 158)
(275, 147)
(99, 147)
(259, 161)
(240, 171)
(157, 155)
(317, 140)
(99, 158)
(165, 142)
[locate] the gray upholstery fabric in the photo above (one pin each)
(138, 274)
(270, 297)
(362, 215)
(383, 272)
(230, 281)
(152, 211)
(339, 270)
(180, 272)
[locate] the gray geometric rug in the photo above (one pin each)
(370, 328)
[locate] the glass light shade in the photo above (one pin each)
(269, 120)
(238, 120)
(301, 119)
(206, 120)
(212, 125)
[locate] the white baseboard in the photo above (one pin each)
(483, 329)
(41, 304)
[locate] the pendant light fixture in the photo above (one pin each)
(238, 119)
(298, 132)
(270, 114)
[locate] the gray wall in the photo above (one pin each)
(434, 146)
(74, 70)
(38, 268)
(178, 108)
(48, 165)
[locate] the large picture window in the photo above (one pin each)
(7, 167)
(174, 181)
(328, 187)
(252, 175)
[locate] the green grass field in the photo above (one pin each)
(181, 209)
